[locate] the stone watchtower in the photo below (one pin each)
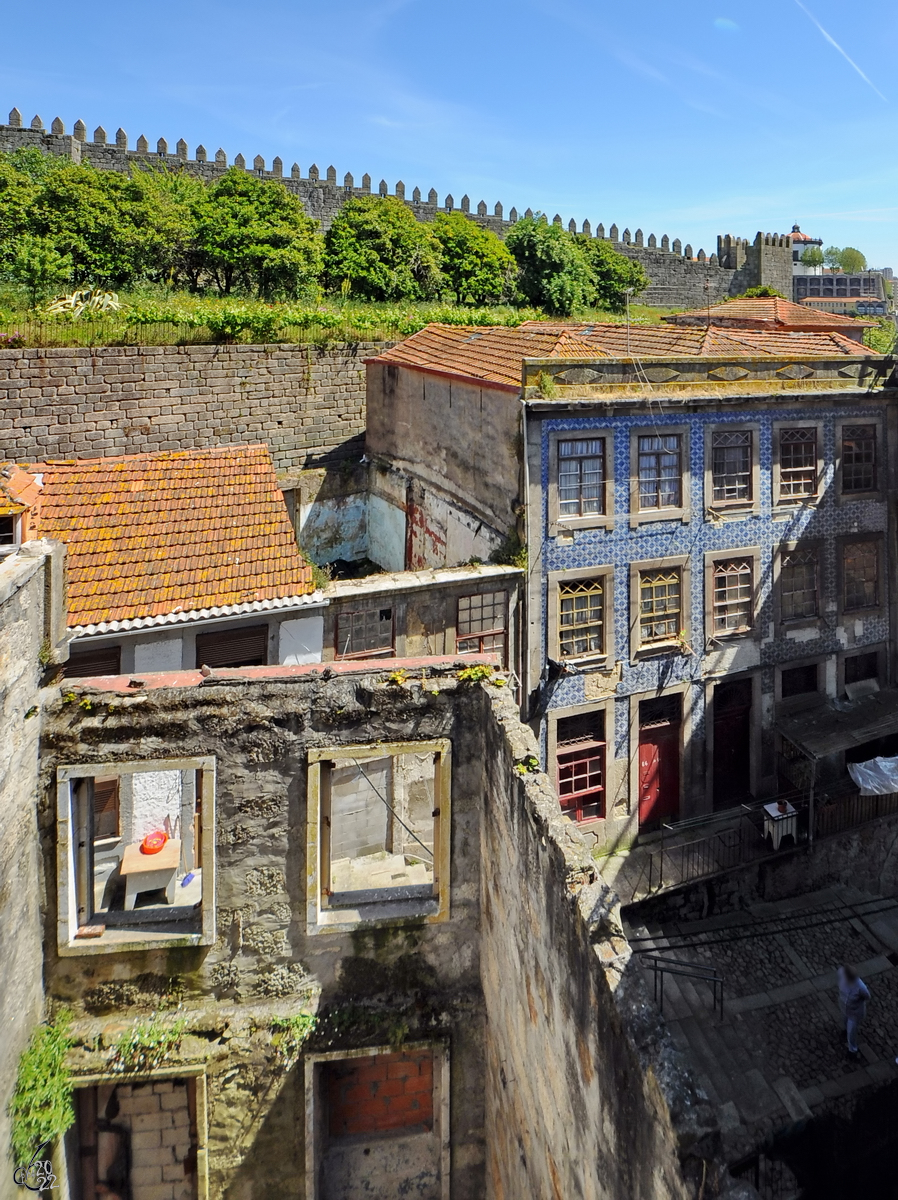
(766, 262)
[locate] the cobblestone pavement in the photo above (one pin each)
(780, 1052)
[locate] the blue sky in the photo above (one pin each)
(690, 119)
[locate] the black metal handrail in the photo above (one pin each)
(661, 966)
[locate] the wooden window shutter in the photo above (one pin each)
(233, 647)
(83, 664)
(106, 808)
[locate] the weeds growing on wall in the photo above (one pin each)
(289, 1035)
(147, 1045)
(41, 1107)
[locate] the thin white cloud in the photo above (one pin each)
(832, 41)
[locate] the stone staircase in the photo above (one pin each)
(748, 1059)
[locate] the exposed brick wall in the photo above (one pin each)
(384, 1092)
(307, 403)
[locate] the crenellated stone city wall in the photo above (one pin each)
(679, 276)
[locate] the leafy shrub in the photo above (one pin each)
(41, 1107)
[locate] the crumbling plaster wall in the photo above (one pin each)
(453, 446)
(585, 1096)
(410, 981)
(28, 634)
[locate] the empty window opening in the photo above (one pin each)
(581, 617)
(660, 606)
(136, 852)
(861, 667)
(380, 828)
(84, 664)
(580, 763)
(233, 647)
(581, 477)
(798, 585)
(731, 453)
(858, 459)
(365, 633)
(481, 625)
(660, 471)
(135, 1139)
(799, 681)
(7, 531)
(732, 602)
(798, 464)
(860, 562)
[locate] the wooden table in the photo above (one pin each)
(147, 872)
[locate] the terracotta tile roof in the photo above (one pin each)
(495, 354)
(769, 310)
(150, 534)
(18, 489)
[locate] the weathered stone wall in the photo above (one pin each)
(306, 402)
(28, 632)
(582, 1090)
(411, 981)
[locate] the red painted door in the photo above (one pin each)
(659, 773)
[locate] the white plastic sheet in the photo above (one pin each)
(877, 777)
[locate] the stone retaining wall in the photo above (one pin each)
(306, 402)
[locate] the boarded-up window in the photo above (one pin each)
(246, 647)
(378, 1094)
(83, 664)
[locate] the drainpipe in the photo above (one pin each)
(811, 802)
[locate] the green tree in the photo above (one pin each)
(812, 256)
(554, 273)
(612, 274)
(882, 336)
(166, 202)
(478, 266)
(17, 196)
(376, 246)
(253, 233)
(97, 218)
(832, 256)
(39, 268)
(852, 261)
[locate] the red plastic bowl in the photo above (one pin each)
(153, 842)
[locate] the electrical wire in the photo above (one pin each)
(385, 801)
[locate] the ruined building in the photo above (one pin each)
(372, 947)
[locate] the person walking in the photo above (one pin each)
(853, 997)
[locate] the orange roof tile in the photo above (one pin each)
(764, 310)
(176, 531)
(495, 354)
(18, 489)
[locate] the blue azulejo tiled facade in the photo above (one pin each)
(692, 720)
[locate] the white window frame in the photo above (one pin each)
(320, 918)
(67, 915)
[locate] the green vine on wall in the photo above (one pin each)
(41, 1107)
